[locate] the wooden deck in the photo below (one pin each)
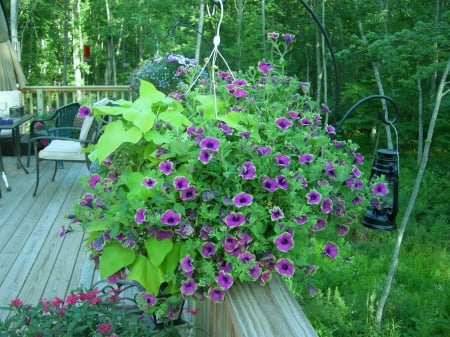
(35, 262)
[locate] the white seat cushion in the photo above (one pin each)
(63, 150)
(7, 133)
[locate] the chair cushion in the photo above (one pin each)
(7, 133)
(85, 127)
(63, 150)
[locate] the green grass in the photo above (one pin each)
(419, 302)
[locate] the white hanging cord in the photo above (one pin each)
(213, 58)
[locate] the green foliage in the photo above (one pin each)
(419, 301)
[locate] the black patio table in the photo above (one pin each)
(13, 124)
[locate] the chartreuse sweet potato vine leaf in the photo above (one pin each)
(115, 134)
(146, 274)
(207, 107)
(157, 250)
(114, 258)
(136, 188)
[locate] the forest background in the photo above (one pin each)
(396, 48)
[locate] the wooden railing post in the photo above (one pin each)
(251, 310)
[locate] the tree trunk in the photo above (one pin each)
(13, 28)
(324, 65)
(376, 71)
(420, 135)
(66, 41)
(319, 65)
(77, 44)
(201, 20)
(263, 25)
(240, 13)
(439, 95)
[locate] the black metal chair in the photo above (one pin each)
(59, 124)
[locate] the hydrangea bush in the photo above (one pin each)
(196, 191)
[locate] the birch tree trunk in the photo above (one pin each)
(13, 28)
(420, 126)
(441, 92)
(77, 44)
(201, 20)
(376, 71)
(324, 64)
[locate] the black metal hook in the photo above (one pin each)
(386, 119)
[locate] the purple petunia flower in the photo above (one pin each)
(305, 121)
(255, 271)
(326, 206)
(330, 172)
(283, 123)
(288, 38)
(269, 184)
(242, 199)
(84, 111)
(263, 150)
(246, 257)
(166, 167)
(186, 264)
(87, 200)
(285, 267)
(282, 182)
(150, 299)
(224, 280)
(139, 217)
(320, 225)
(149, 182)
(306, 158)
(331, 250)
(216, 295)
(358, 158)
(180, 183)
(282, 160)
(380, 189)
(273, 36)
(188, 287)
(276, 213)
(330, 130)
(313, 197)
(94, 180)
(356, 172)
(188, 193)
(300, 219)
(240, 93)
(234, 219)
(230, 243)
(225, 128)
(342, 230)
(170, 218)
(248, 170)
(264, 67)
(204, 232)
(208, 249)
(210, 143)
(204, 156)
(284, 242)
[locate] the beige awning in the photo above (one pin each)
(11, 74)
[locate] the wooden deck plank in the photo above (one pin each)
(35, 262)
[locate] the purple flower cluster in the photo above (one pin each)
(237, 198)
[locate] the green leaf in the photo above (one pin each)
(208, 106)
(158, 138)
(174, 117)
(115, 135)
(114, 258)
(146, 274)
(172, 259)
(157, 250)
(233, 119)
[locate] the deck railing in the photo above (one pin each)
(251, 310)
(42, 99)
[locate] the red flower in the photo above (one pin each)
(17, 302)
(104, 328)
